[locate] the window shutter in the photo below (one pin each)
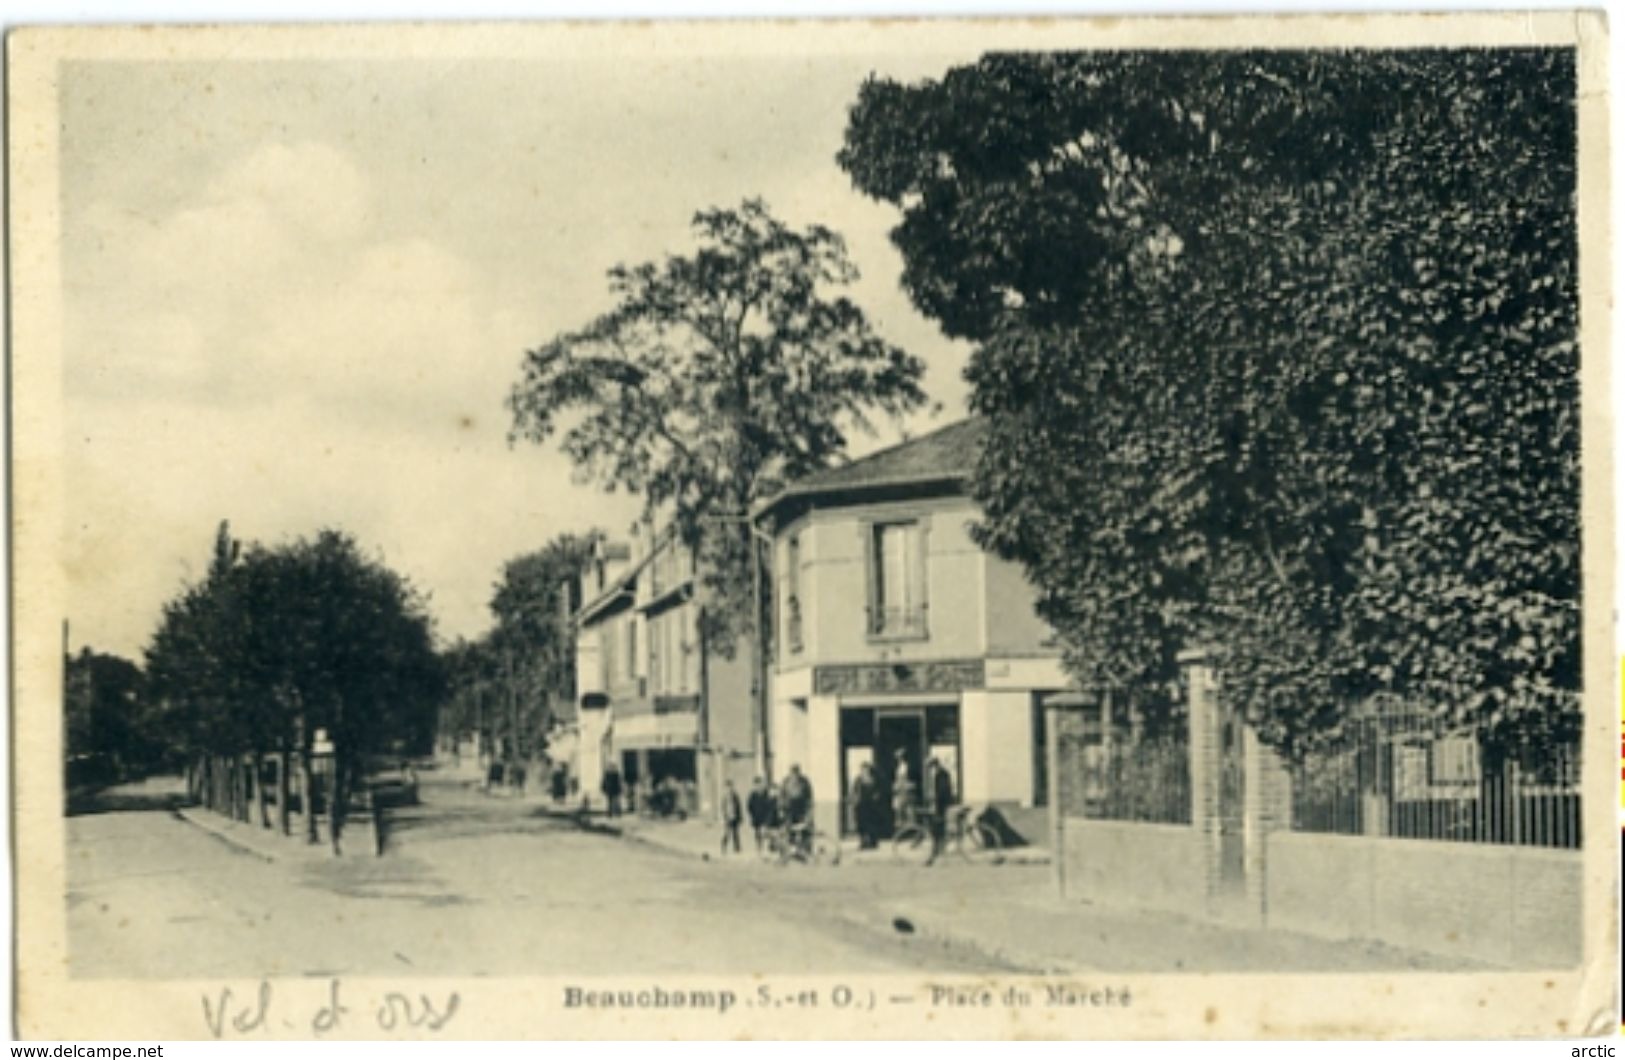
(922, 573)
(871, 571)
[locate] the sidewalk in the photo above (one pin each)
(1011, 913)
(699, 838)
(1025, 924)
(268, 844)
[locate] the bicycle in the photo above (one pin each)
(968, 835)
(800, 843)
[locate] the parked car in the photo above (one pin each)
(393, 784)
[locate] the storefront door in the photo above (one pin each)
(897, 742)
(900, 747)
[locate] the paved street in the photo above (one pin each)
(478, 887)
(495, 886)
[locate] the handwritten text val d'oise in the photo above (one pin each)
(230, 1014)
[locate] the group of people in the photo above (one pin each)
(877, 804)
(663, 798)
(789, 804)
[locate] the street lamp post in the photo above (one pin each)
(764, 757)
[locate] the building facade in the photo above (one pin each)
(900, 640)
(655, 700)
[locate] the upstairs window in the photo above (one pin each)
(897, 579)
(792, 594)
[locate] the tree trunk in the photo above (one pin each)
(338, 806)
(307, 797)
(257, 764)
(282, 791)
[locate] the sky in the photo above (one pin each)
(297, 293)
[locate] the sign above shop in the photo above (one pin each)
(871, 679)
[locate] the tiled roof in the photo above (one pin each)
(947, 454)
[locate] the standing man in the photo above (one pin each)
(760, 806)
(732, 814)
(940, 799)
(866, 806)
(798, 801)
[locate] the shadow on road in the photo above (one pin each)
(128, 798)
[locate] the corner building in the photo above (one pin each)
(898, 639)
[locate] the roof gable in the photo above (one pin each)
(947, 454)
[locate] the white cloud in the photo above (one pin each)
(311, 187)
(264, 356)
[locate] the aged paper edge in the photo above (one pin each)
(1405, 1005)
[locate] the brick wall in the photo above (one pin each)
(1131, 863)
(1503, 905)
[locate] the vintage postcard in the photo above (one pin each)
(824, 529)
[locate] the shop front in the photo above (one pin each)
(897, 741)
(657, 753)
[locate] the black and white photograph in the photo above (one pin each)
(822, 529)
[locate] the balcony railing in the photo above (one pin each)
(897, 622)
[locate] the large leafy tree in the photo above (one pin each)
(1279, 355)
(111, 728)
(510, 684)
(279, 642)
(718, 375)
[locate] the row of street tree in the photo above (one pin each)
(308, 658)
(511, 686)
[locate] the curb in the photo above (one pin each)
(275, 847)
(203, 824)
(848, 857)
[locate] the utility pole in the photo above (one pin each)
(758, 641)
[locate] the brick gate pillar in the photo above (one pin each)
(1203, 712)
(1266, 808)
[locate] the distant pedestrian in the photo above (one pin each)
(732, 814)
(611, 788)
(558, 783)
(760, 808)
